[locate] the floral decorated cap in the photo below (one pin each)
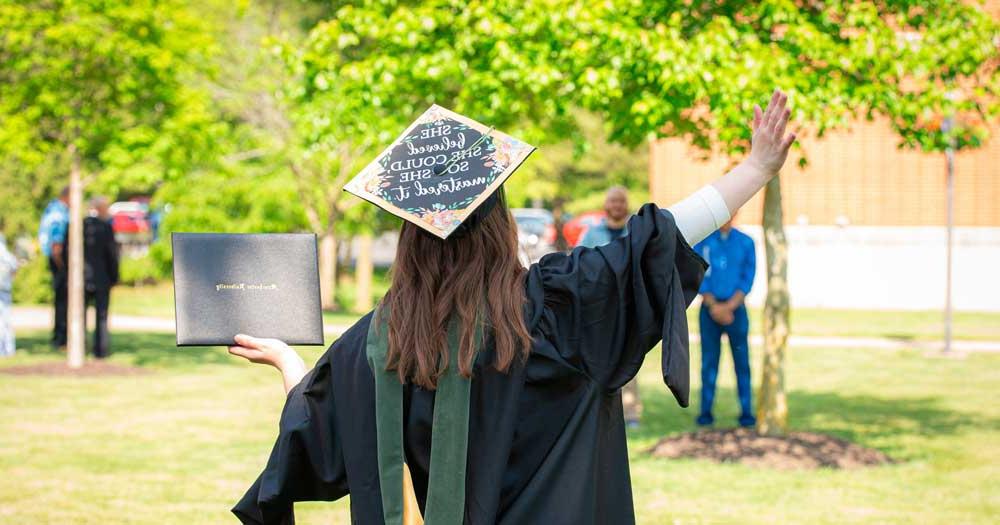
(440, 170)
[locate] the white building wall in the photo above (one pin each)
(862, 267)
(891, 268)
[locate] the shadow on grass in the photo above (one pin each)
(157, 350)
(881, 423)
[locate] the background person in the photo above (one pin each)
(612, 226)
(732, 264)
(52, 233)
(8, 266)
(615, 222)
(100, 271)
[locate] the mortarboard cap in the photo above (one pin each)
(439, 171)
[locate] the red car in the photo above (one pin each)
(129, 217)
(129, 222)
(573, 230)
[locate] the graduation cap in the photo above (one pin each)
(439, 171)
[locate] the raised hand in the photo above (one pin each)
(768, 151)
(271, 352)
(769, 144)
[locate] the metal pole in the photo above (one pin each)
(949, 231)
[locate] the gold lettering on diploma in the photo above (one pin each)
(245, 286)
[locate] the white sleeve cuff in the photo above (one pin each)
(700, 214)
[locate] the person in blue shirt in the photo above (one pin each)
(613, 226)
(52, 238)
(615, 222)
(732, 266)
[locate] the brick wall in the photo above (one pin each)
(856, 176)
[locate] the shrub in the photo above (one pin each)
(33, 283)
(138, 271)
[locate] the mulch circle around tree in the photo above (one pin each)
(795, 450)
(91, 368)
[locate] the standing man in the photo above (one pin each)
(8, 266)
(52, 238)
(612, 227)
(732, 266)
(100, 271)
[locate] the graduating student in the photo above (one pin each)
(479, 391)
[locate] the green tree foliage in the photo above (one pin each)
(277, 166)
(385, 62)
(695, 69)
(366, 72)
(110, 79)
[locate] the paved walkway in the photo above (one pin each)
(36, 318)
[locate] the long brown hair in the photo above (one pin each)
(433, 279)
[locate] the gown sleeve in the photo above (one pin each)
(307, 461)
(603, 308)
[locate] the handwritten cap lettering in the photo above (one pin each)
(440, 170)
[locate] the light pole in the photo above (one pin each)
(949, 153)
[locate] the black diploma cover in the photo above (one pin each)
(264, 285)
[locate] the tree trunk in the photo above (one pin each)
(363, 270)
(345, 255)
(772, 408)
(560, 242)
(76, 335)
(328, 270)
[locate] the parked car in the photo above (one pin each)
(129, 222)
(536, 232)
(129, 206)
(128, 218)
(574, 229)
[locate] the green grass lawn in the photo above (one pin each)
(158, 301)
(180, 444)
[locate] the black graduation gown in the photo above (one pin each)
(547, 439)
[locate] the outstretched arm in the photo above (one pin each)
(712, 206)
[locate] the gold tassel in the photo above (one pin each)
(411, 510)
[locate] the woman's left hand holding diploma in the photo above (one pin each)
(271, 352)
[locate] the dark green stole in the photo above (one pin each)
(449, 434)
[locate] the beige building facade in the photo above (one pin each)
(856, 177)
(865, 221)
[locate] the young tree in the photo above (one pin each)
(92, 85)
(287, 136)
(363, 75)
(695, 69)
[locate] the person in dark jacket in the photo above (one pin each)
(100, 271)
